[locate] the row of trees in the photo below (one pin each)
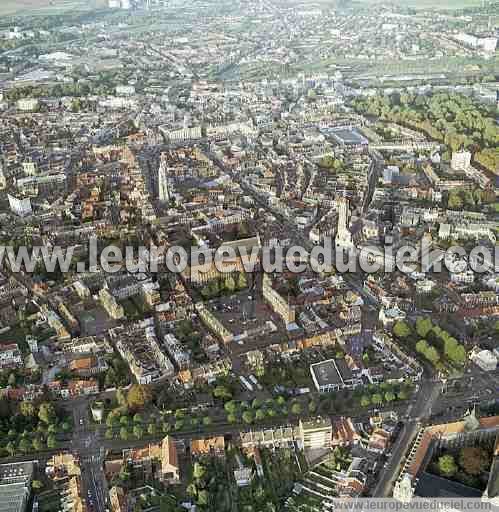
(258, 410)
(434, 343)
(128, 425)
(230, 284)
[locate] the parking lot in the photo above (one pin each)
(249, 318)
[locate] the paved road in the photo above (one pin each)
(418, 413)
(87, 443)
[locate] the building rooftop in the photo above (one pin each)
(432, 486)
(326, 373)
(15, 482)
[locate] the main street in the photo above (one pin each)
(87, 443)
(418, 414)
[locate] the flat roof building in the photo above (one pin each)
(15, 485)
(326, 376)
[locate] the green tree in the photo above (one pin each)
(248, 417)
(474, 460)
(423, 327)
(260, 415)
(124, 435)
(46, 413)
(432, 355)
(110, 379)
(192, 490)
(242, 283)
(138, 431)
(27, 409)
(198, 471)
(113, 418)
(232, 418)
(365, 401)
(447, 465)
(138, 397)
(36, 485)
(256, 404)
(455, 352)
(11, 448)
(151, 429)
(207, 421)
(109, 434)
(401, 329)
(38, 444)
(389, 396)
(296, 409)
(377, 399)
(203, 498)
(455, 202)
(230, 284)
(231, 407)
(25, 445)
(222, 392)
(51, 442)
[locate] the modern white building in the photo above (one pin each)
(390, 316)
(182, 134)
(21, 207)
(27, 104)
(485, 359)
(316, 434)
(461, 160)
(125, 90)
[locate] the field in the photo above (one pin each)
(47, 6)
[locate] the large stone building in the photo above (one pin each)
(414, 479)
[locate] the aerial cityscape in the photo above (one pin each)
(249, 256)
